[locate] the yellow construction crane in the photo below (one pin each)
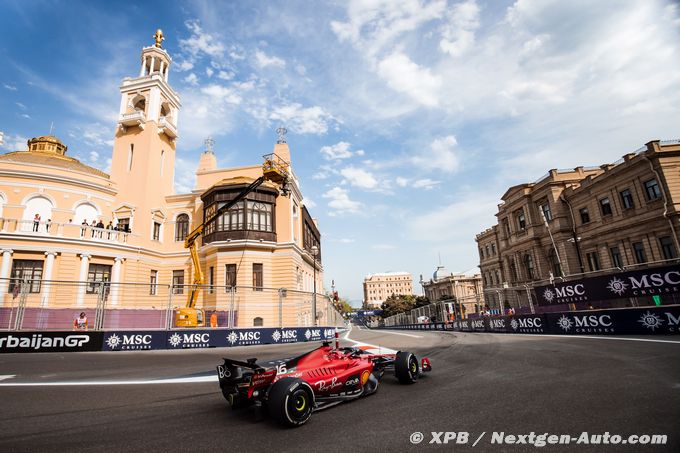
(274, 169)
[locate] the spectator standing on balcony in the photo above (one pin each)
(109, 227)
(93, 225)
(48, 224)
(100, 224)
(36, 222)
(80, 323)
(83, 228)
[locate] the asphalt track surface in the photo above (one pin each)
(480, 383)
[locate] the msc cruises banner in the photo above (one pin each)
(664, 320)
(646, 282)
(131, 340)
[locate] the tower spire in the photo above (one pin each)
(159, 38)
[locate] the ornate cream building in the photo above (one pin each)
(378, 287)
(445, 285)
(264, 242)
(603, 218)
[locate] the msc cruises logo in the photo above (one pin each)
(650, 321)
(617, 286)
(548, 294)
(565, 323)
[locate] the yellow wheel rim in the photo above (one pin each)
(300, 402)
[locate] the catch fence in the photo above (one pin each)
(54, 305)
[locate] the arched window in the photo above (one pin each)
(40, 206)
(85, 211)
(162, 161)
(529, 266)
(181, 227)
(554, 263)
(165, 110)
(513, 271)
(131, 155)
(258, 322)
(139, 103)
(259, 216)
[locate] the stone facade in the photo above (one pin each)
(466, 289)
(617, 215)
(378, 287)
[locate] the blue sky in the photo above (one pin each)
(407, 119)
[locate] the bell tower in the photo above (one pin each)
(143, 161)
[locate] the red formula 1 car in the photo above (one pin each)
(293, 388)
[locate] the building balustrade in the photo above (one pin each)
(62, 230)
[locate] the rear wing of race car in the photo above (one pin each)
(249, 363)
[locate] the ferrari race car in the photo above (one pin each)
(291, 389)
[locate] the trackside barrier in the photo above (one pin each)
(664, 320)
(126, 340)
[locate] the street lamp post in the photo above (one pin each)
(315, 251)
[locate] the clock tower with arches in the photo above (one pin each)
(143, 160)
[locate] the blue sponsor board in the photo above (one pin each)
(136, 340)
(12, 342)
(133, 340)
(664, 320)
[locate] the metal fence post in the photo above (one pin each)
(21, 308)
(232, 292)
(169, 310)
(282, 294)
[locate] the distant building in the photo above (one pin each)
(601, 218)
(378, 287)
(462, 288)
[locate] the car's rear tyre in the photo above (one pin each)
(406, 367)
(291, 401)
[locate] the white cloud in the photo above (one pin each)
(340, 202)
(224, 75)
(301, 120)
(426, 183)
(344, 240)
(184, 66)
(458, 35)
(441, 156)
(20, 105)
(405, 76)
(209, 72)
(402, 182)
(359, 178)
(10, 87)
(383, 247)
(26, 115)
(191, 79)
(309, 203)
(14, 143)
(185, 175)
(93, 157)
(263, 61)
(200, 43)
(374, 26)
(219, 94)
(340, 150)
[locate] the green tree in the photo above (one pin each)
(398, 303)
(421, 301)
(343, 306)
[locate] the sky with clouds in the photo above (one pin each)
(407, 119)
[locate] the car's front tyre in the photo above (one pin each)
(291, 401)
(406, 367)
